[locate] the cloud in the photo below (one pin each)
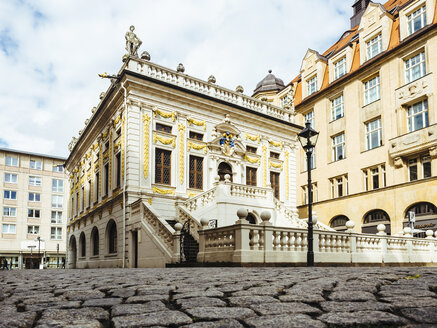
(51, 52)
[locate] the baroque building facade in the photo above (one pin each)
(371, 96)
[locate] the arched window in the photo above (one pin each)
(373, 218)
(251, 218)
(112, 237)
(339, 222)
(95, 241)
(223, 169)
(422, 209)
(425, 218)
(82, 245)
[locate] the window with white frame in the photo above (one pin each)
(412, 169)
(9, 211)
(58, 168)
(36, 165)
(11, 161)
(338, 147)
(374, 177)
(56, 233)
(339, 186)
(312, 85)
(57, 201)
(8, 228)
(373, 134)
(337, 108)
(371, 90)
(419, 167)
(313, 193)
(340, 68)
(417, 116)
(33, 213)
(426, 166)
(33, 230)
(374, 46)
(309, 117)
(34, 197)
(11, 178)
(57, 185)
(415, 67)
(56, 217)
(416, 20)
(10, 194)
(34, 181)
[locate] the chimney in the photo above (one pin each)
(359, 9)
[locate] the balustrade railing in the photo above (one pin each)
(245, 191)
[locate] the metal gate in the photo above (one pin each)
(189, 246)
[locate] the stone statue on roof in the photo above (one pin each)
(133, 42)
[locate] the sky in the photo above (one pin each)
(52, 50)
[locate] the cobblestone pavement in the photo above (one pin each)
(220, 297)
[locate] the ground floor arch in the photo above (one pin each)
(339, 222)
(72, 253)
(374, 218)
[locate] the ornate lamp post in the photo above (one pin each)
(308, 139)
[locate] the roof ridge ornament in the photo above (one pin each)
(133, 42)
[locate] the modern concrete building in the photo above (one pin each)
(34, 209)
(371, 97)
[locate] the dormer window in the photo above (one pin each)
(340, 68)
(374, 46)
(416, 20)
(312, 85)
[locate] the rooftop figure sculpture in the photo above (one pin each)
(133, 42)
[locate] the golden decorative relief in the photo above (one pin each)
(164, 140)
(117, 145)
(123, 147)
(146, 136)
(275, 165)
(198, 123)
(264, 166)
(117, 120)
(181, 129)
(197, 146)
(192, 194)
(100, 164)
(111, 147)
(105, 134)
(253, 137)
(165, 114)
(250, 159)
(163, 191)
(149, 201)
(276, 143)
(287, 182)
(106, 155)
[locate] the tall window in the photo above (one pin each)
(312, 85)
(162, 166)
(374, 177)
(373, 134)
(274, 180)
(371, 90)
(415, 67)
(57, 185)
(9, 211)
(11, 161)
(418, 116)
(426, 165)
(33, 230)
(338, 147)
(309, 117)
(416, 20)
(11, 178)
(57, 201)
(419, 167)
(118, 170)
(95, 241)
(337, 108)
(250, 176)
(10, 194)
(8, 228)
(89, 192)
(112, 237)
(412, 169)
(36, 165)
(83, 198)
(374, 46)
(340, 68)
(82, 245)
(34, 197)
(97, 186)
(196, 172)
(34, 181)
(106, 172)
(56, 217)
(339, 186)
(56, 233)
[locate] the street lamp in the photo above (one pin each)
(308, 139)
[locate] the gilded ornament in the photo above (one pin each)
(253, 137)
(165, 114)
(287, 182)
(198, 123)
(163, 191)
(276, 143)
(192, 194)
(149, 201)
(250, 159)
(275, 165)
(181, 128)
(146, 134)
(264, 166)
(197, 146)
(164, 140)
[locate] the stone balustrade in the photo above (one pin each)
(245, 191)
(201, 200)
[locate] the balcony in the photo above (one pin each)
(413, 142)
(407, 94)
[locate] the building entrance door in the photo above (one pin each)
(223, 169)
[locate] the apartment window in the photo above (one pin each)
(340, 68)
(274, 181)
(58, 168)
(34, 181)
(426, 165)
(57, 201)
(309, 117)
(57, 185)
(56, 217)
(9, 211)
(196, 172)
(339, 186)
(374, 177)
(251, 176)
(89, 192)
(11, 161)
(163, 127)
(56, 233)
(313, 193)
(250, 149)
(162, 166)
(274, 155)
(11, 178)
(97, 186)
(374, 46)
(118, 170)
(8, 228)
(418, 116)
(415, 67)
(419, 167)
(371, 90)
(33, 230)
(196, 136)
(83, 198)
(106, 172)
(416, 20)
(10, 194)
(312, 85)
(337, 108)
(412, 169)
(77, 202)
(34, 197)
(36, 165)
(32, 213)
(373, 134)
(338, 147)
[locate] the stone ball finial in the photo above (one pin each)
(204, 222)
(350, 225)
(239, 89)
(265, 216)
(102, 94)
(429, 234)
(407, 232)
(435, 233)
(242, 213)
(145, 55)
(178, 226)
(211, 79)
(87, 121)
(270, 71)
(94, 109)
(217, 178)
(314, 219)
(227, 178)
(180, 68)
(381, 229)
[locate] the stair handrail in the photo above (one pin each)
(183, 215)
(209, 194)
